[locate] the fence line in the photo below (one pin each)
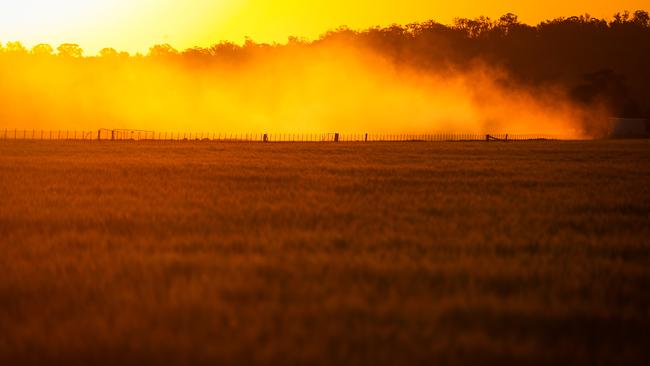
(138, 135)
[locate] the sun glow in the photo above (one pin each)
(33, 18)
(132, 25)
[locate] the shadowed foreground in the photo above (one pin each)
(202, 253)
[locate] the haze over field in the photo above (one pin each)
(563, 77)
(334, 87)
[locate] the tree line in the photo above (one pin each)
(596, 60)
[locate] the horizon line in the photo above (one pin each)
(29, 47)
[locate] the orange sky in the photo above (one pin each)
(134, 25)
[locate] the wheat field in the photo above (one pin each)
(324, 254)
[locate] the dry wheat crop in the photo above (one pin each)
(350, 254)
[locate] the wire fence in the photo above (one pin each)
(141, 135)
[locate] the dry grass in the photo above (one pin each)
(351, 254)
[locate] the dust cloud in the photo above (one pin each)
(326, 88)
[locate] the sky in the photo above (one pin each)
(135, 25)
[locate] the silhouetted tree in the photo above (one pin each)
(162, 50)
(641, 18)
(508, 20)
(43, 49)
(15, 48)
(108, 53)
(70, 50)
(474, 28)
(197, 53)
(297, 41)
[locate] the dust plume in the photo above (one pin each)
(301, 89)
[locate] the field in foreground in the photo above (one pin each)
(351, 254)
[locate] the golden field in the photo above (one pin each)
(333, 254)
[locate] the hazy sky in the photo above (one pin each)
(135, 25)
